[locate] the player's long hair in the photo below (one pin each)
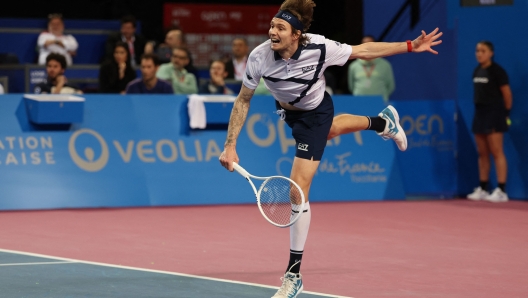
(303, 10)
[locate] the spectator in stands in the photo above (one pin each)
(1, 89)
(54, 41)
(174, 38)
(216, 85)
(261, 88)
(149, 83)
(127, 34)
(371, 77)
(236, 67)
(182, 81)
(56, 82)
(115, 74)
(493, 101)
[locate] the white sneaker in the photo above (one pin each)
(292, 286)
(393, 129)
(478, 194)
(497, 196)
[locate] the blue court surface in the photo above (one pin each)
(27, 275)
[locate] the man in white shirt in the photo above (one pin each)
(54, 41)
(292, 64)
(236, 67)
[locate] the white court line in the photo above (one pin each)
(38, 263)
(159, 271)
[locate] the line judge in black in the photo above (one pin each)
(493, 102)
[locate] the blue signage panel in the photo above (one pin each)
(139, 151)
(429, 167)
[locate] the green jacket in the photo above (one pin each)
(381, 81)
(182, 81)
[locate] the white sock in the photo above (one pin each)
(299, 230)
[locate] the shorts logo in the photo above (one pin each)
(308, 68)
(303, 147)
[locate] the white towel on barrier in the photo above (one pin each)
(196, 108)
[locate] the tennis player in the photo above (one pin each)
(292, 63)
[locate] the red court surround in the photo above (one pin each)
(385, 249)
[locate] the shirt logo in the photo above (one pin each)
(303, 147)
(338, 44)
(480, 80)
(249, 77)
(308, 68)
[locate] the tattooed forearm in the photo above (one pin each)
(238, 115)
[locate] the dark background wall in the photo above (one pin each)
(341, 20)
(329, 19)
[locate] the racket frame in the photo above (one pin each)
(239, 169)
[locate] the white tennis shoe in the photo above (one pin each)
(393, 129)
(292, 286)
(478, 194)
(497, 196)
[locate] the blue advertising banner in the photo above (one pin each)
(139, 151)
(429, 167)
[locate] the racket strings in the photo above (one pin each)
(280, 200)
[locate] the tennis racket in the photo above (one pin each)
(279, 199)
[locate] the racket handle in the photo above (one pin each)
(240, 170)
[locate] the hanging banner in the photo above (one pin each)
(218, 18)
(210, 29)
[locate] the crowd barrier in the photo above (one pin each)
(140, 151)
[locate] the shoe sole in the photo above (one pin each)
(298, 292)
(398, 126)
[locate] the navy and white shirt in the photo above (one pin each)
(299, 80)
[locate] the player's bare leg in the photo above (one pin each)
(303, 171)
(386, 124)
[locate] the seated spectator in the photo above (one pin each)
(56, 81)
(261, 88)
(127, 34)
(149, 83)
(182, 81)
(216, 85)
(236, 67)
(54, 41)
(173, 39)
(115, 74)
(1, 89)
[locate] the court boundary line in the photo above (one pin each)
(68, 260)
(36, 263)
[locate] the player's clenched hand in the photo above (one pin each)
(227, 157)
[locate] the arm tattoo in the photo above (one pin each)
(238, 115)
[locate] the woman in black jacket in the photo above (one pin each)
(115, 74)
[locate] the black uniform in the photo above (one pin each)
(490, 113)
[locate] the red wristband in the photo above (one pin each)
(409, 46)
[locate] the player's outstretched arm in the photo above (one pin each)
(422, 43)
(236, 121)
